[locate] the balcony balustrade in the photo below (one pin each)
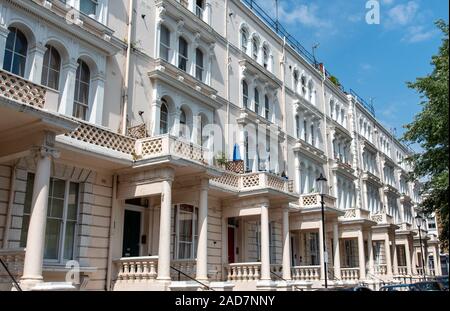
(350, 274)
(313, 200)
(306, 273)
(16, 88)
(356, 213)
(403, 270)
(137, 269)
(383, 218)
(253, 181)
(380, 269)
(241, 272)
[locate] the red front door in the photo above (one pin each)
(231, 248)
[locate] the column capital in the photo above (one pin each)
(46, 151)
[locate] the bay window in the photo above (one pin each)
(62, 217)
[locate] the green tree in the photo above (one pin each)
(430, 130)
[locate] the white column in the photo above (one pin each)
(265, 246)
(3, 36)
(321, 252)
(164, 231)
(286, 245)
(34, 254)
(388, 255)
(337, 254)
(98, 96)
(68, 75)
(36, 58)
(156, 113)
(298, 174)
(394, 258)
(437, 262)
(370, 252)
(362, 257)
(202, 247)
(196, 130)
(408, 258)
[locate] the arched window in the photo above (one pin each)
(244, 40)
(245, 94)
(51, 68)
(296, 81)
(182, 54)
(303, 80)
(266, 57)
(311, 92)
(164, 118)
(15, 52)
(332, 109)
(255, 48)
(256, 100)
(199, 64)
(82, 84)
(183, 124)
(266, 107)
(164, 43)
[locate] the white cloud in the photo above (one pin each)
(388, 2)
(417, 34)
(366, 67)
(305, 15)
(403, 14)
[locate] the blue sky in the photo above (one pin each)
(374, 60)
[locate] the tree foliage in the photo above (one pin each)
(429, 129)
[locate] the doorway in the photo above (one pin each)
(231, 244)
(132, 233)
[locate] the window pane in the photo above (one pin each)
(18, 67)
(10, 39)
(52, 237)
(7, 60)
(72, 202)
(24, 232)
(21, 46)
(69, 240)
(88, 7)
(56, 207)
(59, 188)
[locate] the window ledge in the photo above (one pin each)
(48, 267)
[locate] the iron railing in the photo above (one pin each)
(190, 278)
(11, 276)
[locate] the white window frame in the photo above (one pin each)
(176, 232)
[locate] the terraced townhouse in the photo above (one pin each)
(134, 146)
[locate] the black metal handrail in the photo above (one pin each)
(283, 279)
(11, 276)
(191, 278)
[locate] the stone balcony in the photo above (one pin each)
(391, 189)
(357, 214)
(383, 218)
(162, 70)
(368, 176)
(16, 88)
(309, 201)
(310, 150)
(253, 182)
(344, 168)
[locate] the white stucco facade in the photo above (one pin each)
(116, 152)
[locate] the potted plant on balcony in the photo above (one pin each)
(221, 160)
